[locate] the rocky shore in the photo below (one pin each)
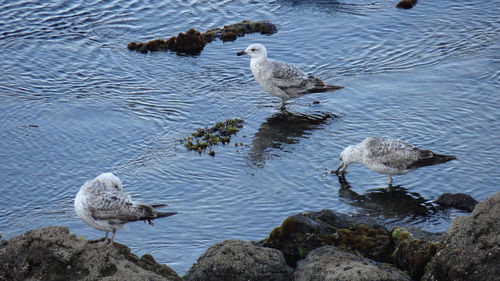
(322, 245)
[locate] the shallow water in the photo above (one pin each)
(75, 102)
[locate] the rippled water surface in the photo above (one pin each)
(75, 102)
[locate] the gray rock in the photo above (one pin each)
(457, 200)
(470, 248)
(332, 264)
(236, 260)
(53, 254)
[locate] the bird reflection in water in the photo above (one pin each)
(283, 128)
(394, 203)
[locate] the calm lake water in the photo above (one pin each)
(75, 102)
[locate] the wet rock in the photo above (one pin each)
(406, 4)
(53, 254)
(470, 248)
(372, 243)
(457, 200)
(331, 264)
(193, 41)
(306, 231)
(235, 260)
(412, 254)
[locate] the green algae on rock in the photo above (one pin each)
(193, 41)
(370, 242)
(412, 254)
(206, 138)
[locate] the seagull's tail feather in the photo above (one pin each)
(158, 206)
(148, 213)
(320, 86)
(165, 214)
(440, 158)
(430, 158)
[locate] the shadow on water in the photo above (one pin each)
(394, 203)
(283, 128)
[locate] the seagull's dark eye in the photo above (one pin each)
(115, 186)
(253, 50)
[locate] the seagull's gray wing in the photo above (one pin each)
(393, 153)
(112, 206)
(293, 81)
(290, 79)
(117, 208)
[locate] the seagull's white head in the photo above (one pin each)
(255, 51)
(347, 157)
(110, 182)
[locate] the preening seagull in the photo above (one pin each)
(389, 156)
(102, 204)
(281, 79)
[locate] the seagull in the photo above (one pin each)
(102, 204)
(389, 156)
(281, 79)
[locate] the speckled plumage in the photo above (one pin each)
(101, 204)
(281, 79)
(389, 156)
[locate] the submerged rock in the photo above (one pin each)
(193, 41)
(235, 260)
(304, 232)
(470, 248)
(457, 200)
(406, 4)
(332, 264)
(53, 254)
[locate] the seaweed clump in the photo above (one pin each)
(233, 31)
(372, 243)
(406, 4)
(412, 254)
(193, 41)
(206, 138)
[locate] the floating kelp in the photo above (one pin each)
(406, 4)
(208, 137)
(192, 42)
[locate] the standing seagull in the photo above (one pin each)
(281, 79)
(389, 156)
(102, 204)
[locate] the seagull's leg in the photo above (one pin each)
(106, 238)
(113, 236)
(390, 181)
(283, 104)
